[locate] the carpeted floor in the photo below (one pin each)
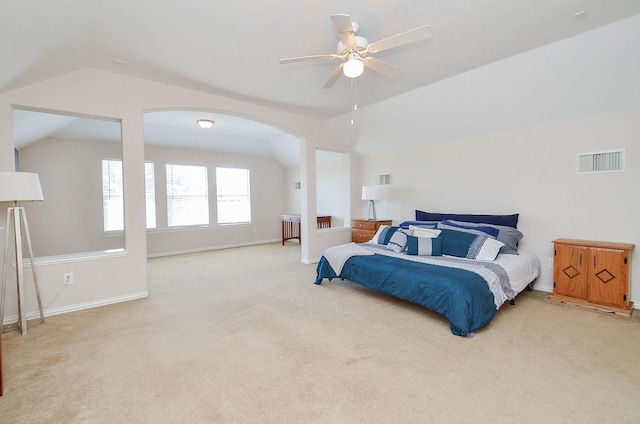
(243, 336)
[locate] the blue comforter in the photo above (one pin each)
(460, 295)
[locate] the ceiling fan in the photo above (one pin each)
(356, 51)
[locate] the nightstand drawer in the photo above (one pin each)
(363, 230)
(363, 225)
(361, 236)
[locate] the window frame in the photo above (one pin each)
(183, 199)
(223, 208)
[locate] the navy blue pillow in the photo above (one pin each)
(456, 243)
(424, 246)
(506, 220)
(424, 224)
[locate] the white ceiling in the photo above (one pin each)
(232, 48)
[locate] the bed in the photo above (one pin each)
(466, 272)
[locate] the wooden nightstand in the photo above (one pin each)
(363, 230)
(592, 274)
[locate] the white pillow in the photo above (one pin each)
(489, 250)
(398, 241)
(424, 232)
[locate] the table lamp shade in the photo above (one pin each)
(371, 193)
(20, 187)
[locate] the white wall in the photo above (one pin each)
(101, 94)
(504, 139)
(69, 220)
(267, 202)
(530, 171)
(294, 199)
(333, 190)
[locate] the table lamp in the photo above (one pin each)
(371, 193)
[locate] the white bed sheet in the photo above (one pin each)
(522, 268)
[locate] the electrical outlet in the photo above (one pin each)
(550, 262)
(68, 278)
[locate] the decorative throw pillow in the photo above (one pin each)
(424, 232)
(424, 246)
(466, 245)
(398, 241)
(385, 232)
(482, 230)
(376, 238)
(484, 249)
(422, 224)
(508, 235)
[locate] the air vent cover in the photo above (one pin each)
(608, 161)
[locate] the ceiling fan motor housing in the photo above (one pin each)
(360, 46)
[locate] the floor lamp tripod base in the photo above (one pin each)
(19, 218)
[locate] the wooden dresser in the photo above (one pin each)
(592, 274)
(363, 230)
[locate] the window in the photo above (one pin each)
(234, 205)
(187, 197)
(150, 194)
(112, 195)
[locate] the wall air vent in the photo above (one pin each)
(608, 161)
(383, 179)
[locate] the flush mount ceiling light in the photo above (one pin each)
(205, 123)
(353, 67)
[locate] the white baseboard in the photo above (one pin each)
(544, 288)
(205, 249)
(78, 307)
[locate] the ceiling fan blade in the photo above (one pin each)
(305, 58)
(411, 36)
(345, 29)
(382, 67)
(334, 77)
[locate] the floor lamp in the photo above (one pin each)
(19, 187)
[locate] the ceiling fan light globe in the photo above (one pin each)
(353, 68)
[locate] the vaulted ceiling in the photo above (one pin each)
(232, 48)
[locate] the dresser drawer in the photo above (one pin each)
(360, 224)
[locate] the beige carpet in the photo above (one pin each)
(243, 336)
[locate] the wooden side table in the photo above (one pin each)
(592, 274)
(363, 230)
(291, 226)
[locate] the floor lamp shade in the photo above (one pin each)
(20, 187)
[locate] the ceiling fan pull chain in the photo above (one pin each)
(355, 105)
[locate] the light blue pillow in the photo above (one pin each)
(424, 246)
(473, 228)
(398, 241)
(508, 235)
